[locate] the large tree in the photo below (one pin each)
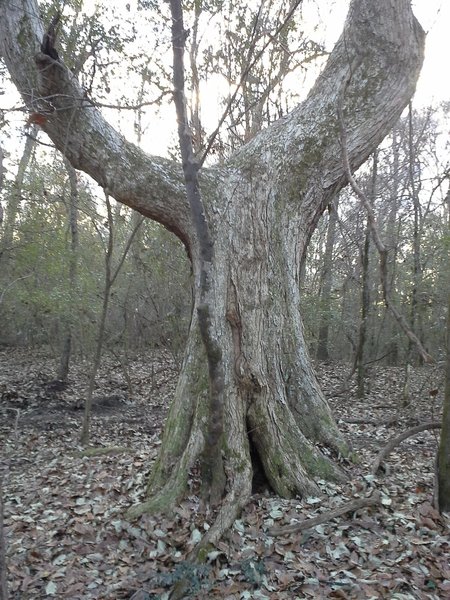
(261, 208)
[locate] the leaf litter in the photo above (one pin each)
(66, 531)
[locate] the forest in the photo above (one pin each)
(224, 301)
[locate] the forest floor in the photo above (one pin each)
(67, 536)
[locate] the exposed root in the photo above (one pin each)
(327, 516)
(232, 506)
(234, 502)
(165, 498)
(395, 441)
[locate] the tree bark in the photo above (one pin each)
(3, 568)
(262, 207)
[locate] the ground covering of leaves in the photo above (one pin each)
(66, 532)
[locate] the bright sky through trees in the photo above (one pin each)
(323, 22)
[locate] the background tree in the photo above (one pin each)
(443, 462)
(394, 211)
(67, 337)
(111, 273)
(326, 283)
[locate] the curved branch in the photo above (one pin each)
(395, 441)
(151, 185)
(374, 68)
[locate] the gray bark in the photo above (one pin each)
(3, 568)
(262, 207)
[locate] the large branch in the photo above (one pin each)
(151, 185)
(373, 68)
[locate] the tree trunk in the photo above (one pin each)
(262, 207)
(14, 199)
(109, 246)
(416, 308)
(360, 355)
(443, 462)
(3, 567)
(327, 279)
(68, 325)
(392, 241)
(365, 305)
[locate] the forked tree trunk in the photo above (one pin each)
(272, 399)
(262, 207)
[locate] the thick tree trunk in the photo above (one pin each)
(262, 207)
(272, 399)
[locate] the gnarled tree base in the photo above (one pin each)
(284, 428)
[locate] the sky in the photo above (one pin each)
(434, 82)
(434, 16)
(328, 16)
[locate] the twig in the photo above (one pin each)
(395, 441)
(327, 516)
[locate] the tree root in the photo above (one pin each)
(231, 508)
(395, 441)
(324, 517)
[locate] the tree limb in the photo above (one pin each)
(151, 185)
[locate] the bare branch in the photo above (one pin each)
(248, 68)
